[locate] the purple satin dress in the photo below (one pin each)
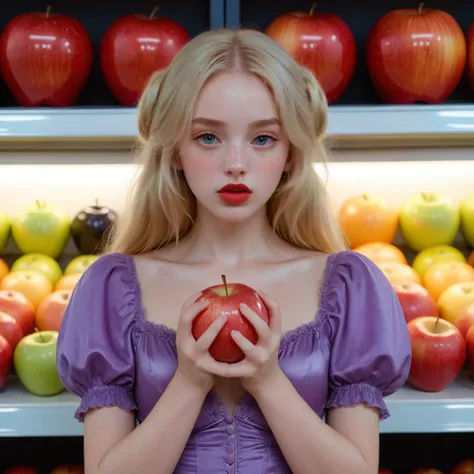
(356, 350)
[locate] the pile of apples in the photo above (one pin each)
(463, 467)
(436, 291)
(34, 294)
(63, 469)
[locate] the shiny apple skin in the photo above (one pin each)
(134, 47)
(322, 42)
(414, 57)
(45, 61)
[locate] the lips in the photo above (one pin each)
(235, 188)
(234, 193)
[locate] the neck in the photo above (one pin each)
(228, 243)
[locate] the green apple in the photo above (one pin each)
(5, 225)
(438, 253)
(467, 218)
(80, 264)
(35, 363)
(42, 228)
(41, 263)
(428, 219)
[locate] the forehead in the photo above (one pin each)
(233, 96)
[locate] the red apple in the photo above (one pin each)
(415, 300)
(134, 47)
(465, 320)
(416, 55)
(50, 312)
(470, 54)
(226, 299)
(20, 470)
(6, 360)
(470, 347)
(16, 304)
(10, 329)
(68, 469)
(463, 467)
(322, 42)
(438, 353)
(45, 58)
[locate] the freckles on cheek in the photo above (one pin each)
(198, 164)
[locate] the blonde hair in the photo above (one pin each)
(161, 206)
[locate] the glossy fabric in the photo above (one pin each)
(356, 350)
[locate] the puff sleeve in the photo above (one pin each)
(95, 356)
(371, 350)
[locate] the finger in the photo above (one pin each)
(275, 314)
(192, 311)
(263, 330)
(221, 369)
(207, 338)
(252, 353)
(190, 301)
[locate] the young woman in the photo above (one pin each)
(232, 109)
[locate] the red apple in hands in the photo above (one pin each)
(18, 306)
(45, 58)
(438, 353)
(226, 299)
(416, 55)
(6, 360)
(463, 467)
(68, 469)
(10, 329)
(134, 47)
(415, 301)
(323, 43)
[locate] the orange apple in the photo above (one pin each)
(382, 252)
(51, 310)
(366, 218)
(397, 273)
(470, 259)
(465, 320)
(463, 467)
(4, 270)
(439, 276)
(67, 282)
(34, 285)
(454, 301)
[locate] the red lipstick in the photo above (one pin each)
(234, 193)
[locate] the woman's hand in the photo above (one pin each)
(195, 365)
(260, 365)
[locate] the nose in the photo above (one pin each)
(235, 165)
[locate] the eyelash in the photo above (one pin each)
(269, 135)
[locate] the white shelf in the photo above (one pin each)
(412, 411)
(349, 126)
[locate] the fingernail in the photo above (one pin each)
(243, 305)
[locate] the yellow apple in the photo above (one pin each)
(455, 299)
(437, 253)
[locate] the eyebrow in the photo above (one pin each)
(222, 124)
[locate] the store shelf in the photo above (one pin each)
(349, 127)
(412, 411)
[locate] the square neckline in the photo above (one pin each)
(314, 325)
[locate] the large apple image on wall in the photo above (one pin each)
(45, 58)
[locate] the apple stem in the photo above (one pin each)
(48, 11)
(40, 335)
(313, 7)
(154, 12)
(97, 202)
(420, 8)
(436, 322)
(38, 203)
(225, 285)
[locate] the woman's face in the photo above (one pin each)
(236, 138)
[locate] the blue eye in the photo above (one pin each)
(207, 139)
(263, 140)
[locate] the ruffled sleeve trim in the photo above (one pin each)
(105, 396)
(356, 394)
